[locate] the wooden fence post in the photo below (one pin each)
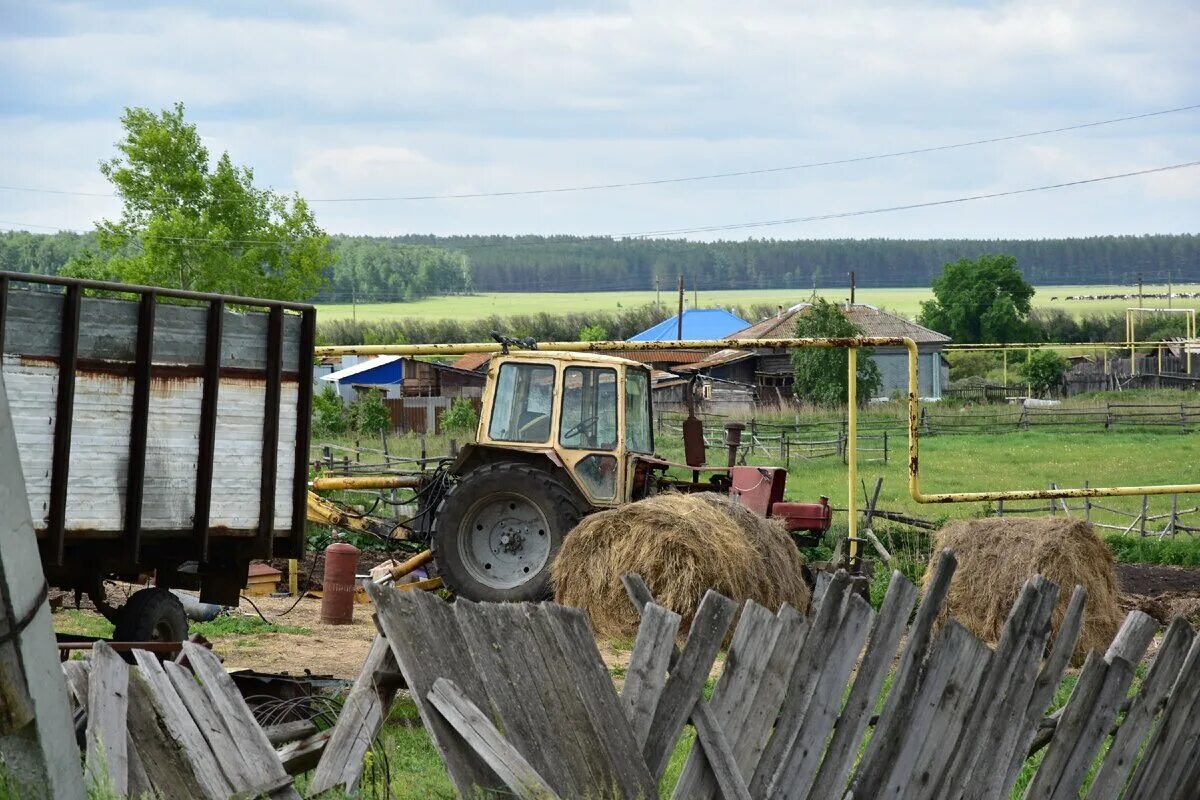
(37, 737)
(885, 447)
(1145, 512)
(1087, 506)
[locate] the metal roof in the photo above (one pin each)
(698, 323)
(472, 361)
(359, 368)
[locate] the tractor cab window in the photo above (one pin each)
(639, 433)
(589, 409)
(522, 404)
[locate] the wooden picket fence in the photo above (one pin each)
(518, 701)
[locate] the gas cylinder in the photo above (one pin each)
(337, 598)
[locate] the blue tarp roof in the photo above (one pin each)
(698, 323)
(381, 371)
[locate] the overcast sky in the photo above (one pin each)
(366, 99)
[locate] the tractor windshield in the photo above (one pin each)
(639, 431)
(589, 409)
(521, 406)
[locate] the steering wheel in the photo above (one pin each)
(587, 425)
(538, 420)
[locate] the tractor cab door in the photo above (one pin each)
(589, 430)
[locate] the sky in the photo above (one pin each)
(355, 99)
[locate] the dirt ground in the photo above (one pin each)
(1161, 591)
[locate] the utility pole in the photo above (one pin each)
(679, 319)
(851, 287)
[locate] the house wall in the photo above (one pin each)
(933, 371)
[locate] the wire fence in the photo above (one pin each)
(1142, 522)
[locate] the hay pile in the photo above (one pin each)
(682, 545)
(996, 557)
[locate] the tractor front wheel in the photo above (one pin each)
(498, 529)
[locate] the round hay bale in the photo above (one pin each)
(682, 545)
(996, 556)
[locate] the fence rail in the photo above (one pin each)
(1112, 416)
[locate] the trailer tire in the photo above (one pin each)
(151, 615)
(496, 532)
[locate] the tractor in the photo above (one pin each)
(562, 435)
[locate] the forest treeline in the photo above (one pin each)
(1044, 326)
(390, 269)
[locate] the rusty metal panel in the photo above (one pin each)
(100, 448)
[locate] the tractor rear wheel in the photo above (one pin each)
(498, 529)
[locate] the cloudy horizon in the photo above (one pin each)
(360, 99)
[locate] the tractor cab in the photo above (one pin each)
(587, 414)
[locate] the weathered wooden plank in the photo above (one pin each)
(1070, 727)
(1006, 736)
(37, 734)
(570, 713)
(304, 754)
(483, 737)
(1012, 671)
(76, 673)
(358, 723)
(228, 753)
(686, 682)
(230, 706)
(648, 664)
(826, 619)
(1131, 641)
(107, 759)
(1100, 718)
(183, 728)
(799, 767)
(505, 678)
(1156, 771)
(139, 782)
(420, 652)
(168, 769)
(852, 724)
(718, 755)
(951, 678)
(749, 651)
(561, 757)
(1121, 756)
(891, 726)
(281, 733)
(764, 708)
(590, 677)
(1047, 683)
(946, 723)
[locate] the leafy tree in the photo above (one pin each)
(593, 333)
(371, 416)
(329, 413)
(460, 417)
(1044, 371)
(971, 364)
(985, 300)
(822, 373)
(191, 224)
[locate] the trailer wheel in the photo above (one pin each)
(151, 615)
(497, 531)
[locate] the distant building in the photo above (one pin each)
(770, 372)
(698, 323)
(398, 377)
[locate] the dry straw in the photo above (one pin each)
(996, 556)
(682, 545)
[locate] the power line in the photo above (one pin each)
(689, 178)
(708, 228)
(909, 206)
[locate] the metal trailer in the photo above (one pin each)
(160, 432)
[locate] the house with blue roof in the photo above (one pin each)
(698, 323)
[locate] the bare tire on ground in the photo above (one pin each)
(497, 531)
(151, 615)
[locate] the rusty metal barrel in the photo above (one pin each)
(337, 589)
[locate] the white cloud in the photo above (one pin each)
(367, 99)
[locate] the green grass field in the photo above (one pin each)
(903, 301)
